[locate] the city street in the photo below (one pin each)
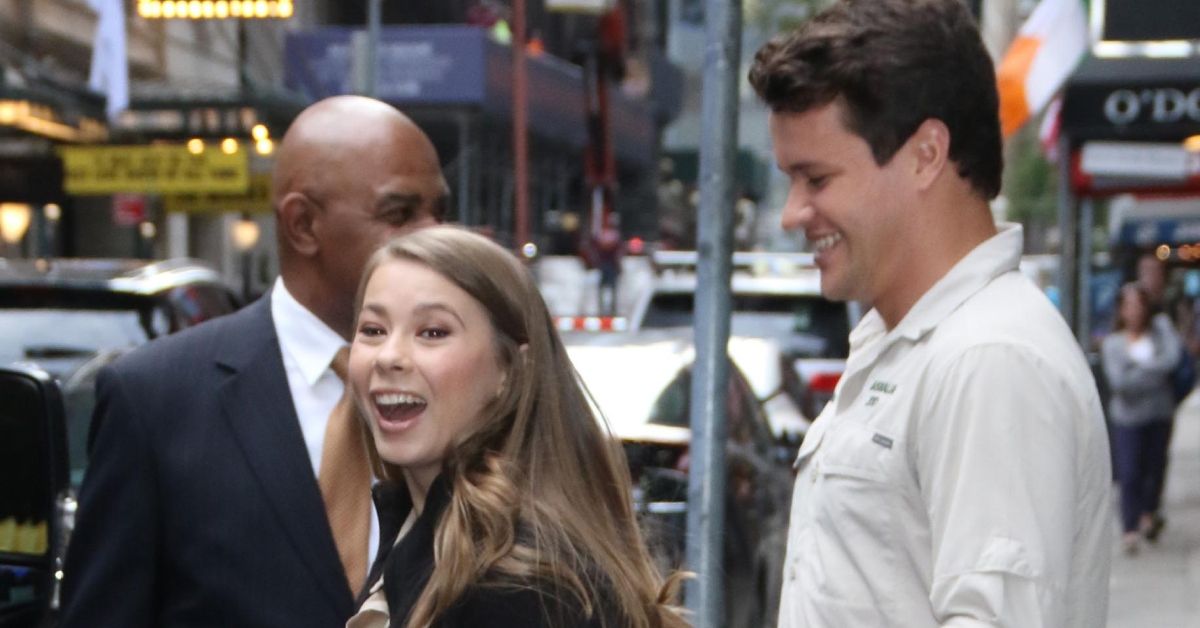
(1160, 587)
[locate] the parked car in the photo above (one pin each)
(641, 386)
(60, 322)
(776, 302)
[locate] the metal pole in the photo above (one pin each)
(242, 59)
(718, 147)
(1068, 258)
(374, 18)
(1087, 211)
(43, 231)
(465, 167)
(520, 122)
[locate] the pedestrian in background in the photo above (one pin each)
(1165, 319)
(609, 251)
(960, 475)
(504, 501)
(1166, 314)
(228, 485)
(1138, 358)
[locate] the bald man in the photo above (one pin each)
(201, 504)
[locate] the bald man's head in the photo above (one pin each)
(350, 173)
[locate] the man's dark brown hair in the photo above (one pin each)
(893, 64)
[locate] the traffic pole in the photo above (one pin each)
(520, 124)
(718, 148)
(374, 21)
(1068, 240)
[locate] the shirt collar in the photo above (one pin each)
(303, 336)
(993, 257)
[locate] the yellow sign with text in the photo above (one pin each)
(256, 199)
(169, 169)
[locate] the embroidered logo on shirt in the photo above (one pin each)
(881, 440)
(883, 387)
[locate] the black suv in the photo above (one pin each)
(60, 322)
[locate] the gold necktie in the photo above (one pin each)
(345, 481)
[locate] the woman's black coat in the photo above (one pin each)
(406, 568)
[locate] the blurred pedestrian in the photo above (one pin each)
(217, 453)
(504, 501)
(1165, 319)
(1138, 357)
(608, 261)
(960, 475)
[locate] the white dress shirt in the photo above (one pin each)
(960, 475)
(308, 346)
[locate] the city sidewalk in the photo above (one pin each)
(1160, 587)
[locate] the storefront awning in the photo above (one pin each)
(169, 112)
(35, 105)
(1139, 99)
(459, 67)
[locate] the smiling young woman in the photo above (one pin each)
(515, 503)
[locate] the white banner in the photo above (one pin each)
(110, 64)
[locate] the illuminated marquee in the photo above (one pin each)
(156, 169)
(215, 9)
(42, 120)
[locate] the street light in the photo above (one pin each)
(245, 234)
(14, 221)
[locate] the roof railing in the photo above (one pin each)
(756, 262)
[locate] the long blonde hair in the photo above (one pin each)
(540, 493)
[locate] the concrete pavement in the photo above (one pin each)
(1160, 586)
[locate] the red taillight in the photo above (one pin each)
(824, 382)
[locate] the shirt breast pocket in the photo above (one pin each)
(857, 452)
(853, 507)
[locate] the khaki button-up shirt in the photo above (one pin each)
(960, 475)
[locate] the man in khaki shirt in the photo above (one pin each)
(960, 475)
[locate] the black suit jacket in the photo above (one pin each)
(200, 506)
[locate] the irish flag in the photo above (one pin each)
(1045, 51)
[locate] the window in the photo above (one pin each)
(671, 407)
(813, 326)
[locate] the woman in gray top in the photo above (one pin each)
(1139, 356)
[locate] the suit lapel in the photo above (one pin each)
(257, 403)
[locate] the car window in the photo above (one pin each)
(195, 304)
(744, 419)
(51, 336)
(815, 327)
(69, 334)
(671, 407)
(747, 425)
